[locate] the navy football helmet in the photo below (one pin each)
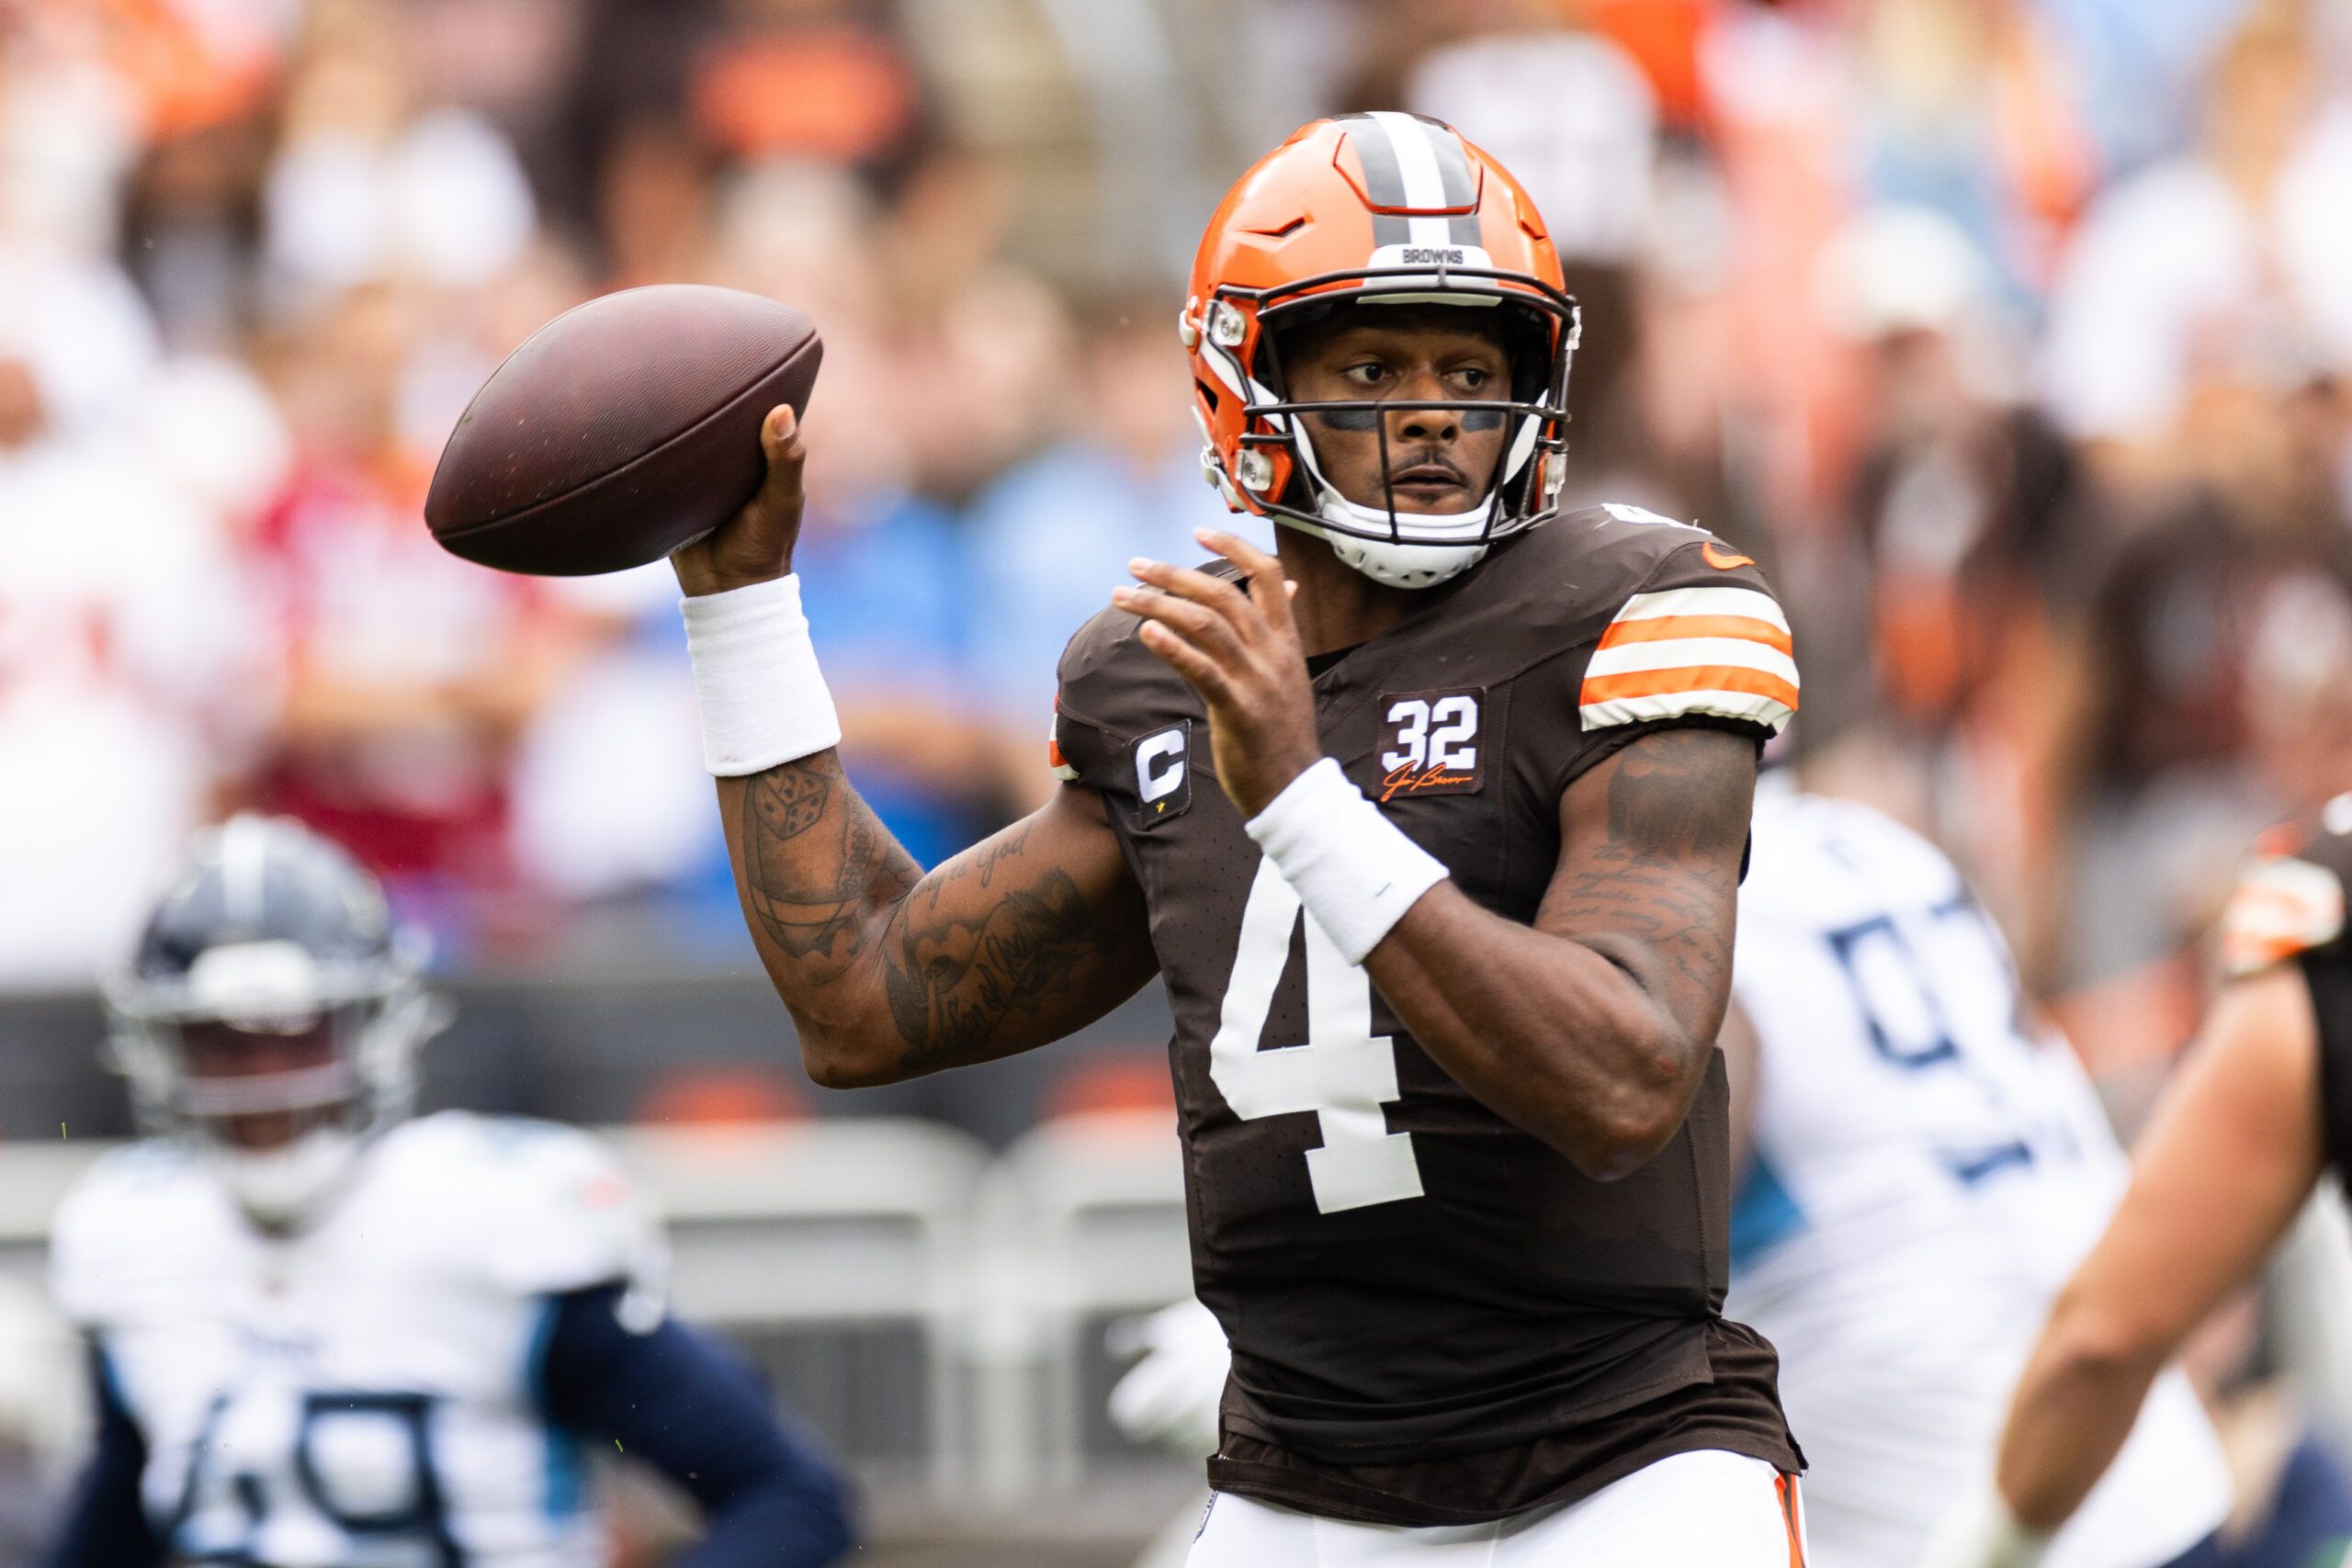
(271, 1013)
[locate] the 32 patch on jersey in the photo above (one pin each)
(1163, 775)
(1431, 743)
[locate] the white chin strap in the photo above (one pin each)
(1403, 565)
(278, 1188)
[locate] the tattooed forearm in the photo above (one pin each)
(788, 800)
(811, 903)
(1591, 1028)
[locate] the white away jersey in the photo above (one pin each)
(360, 1395)
(1927, 1171)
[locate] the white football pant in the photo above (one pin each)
(1708, 1509)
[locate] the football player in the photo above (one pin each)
(2261, 1110)
(322, 1333)
(1916, 1171)
(1432, 827)
(1913, 1175)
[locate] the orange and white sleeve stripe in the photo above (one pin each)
(1724, 652)
(2282, 907)
(1060, 764)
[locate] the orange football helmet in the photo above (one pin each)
(1370, 209)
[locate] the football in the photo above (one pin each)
(619, 431)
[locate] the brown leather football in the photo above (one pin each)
(620, 430)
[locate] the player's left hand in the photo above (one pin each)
(1241, 652)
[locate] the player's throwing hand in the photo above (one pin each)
(1240, 651)
(755, 545)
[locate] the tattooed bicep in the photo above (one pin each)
(1678, 794)
(1649, 876)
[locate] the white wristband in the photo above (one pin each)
(1983, 1533)
(763, 698)
(1355, 870)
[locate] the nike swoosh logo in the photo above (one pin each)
(1720, 562)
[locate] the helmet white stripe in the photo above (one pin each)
(1416, 160)
(1433, 231)
(245, 862)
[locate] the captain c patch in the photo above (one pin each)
(1163, 775)
(1431, 743)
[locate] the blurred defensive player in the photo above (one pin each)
(1917, 1170)
(1438, 860)
(323, 1334)
(2261, 1110)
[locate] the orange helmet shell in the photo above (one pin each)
(1371, 204)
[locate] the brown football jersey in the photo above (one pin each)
(1434, 1317)
(2289, 908)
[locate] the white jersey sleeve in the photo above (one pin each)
(541, 1209)
(128, 1229)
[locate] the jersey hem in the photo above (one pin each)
(1331, 1498)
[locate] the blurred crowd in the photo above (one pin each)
(2011, 333)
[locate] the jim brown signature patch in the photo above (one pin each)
(1431, 743)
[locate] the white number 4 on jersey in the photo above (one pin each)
(1344, 1073)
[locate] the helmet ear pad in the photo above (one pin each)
(1233, 462)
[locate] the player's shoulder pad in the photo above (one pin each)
(1681, 624)
(1112, 684)
(1821, 861)
(130, 1230)
(538, 1207)
(2290, 897)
